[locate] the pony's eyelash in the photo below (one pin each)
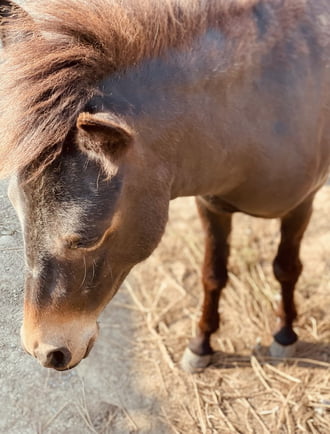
(81, 243)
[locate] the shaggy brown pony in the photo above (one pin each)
(226, 100)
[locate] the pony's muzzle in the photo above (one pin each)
(59, 348)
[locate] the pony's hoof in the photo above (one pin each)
(283, 351)
(192, 362)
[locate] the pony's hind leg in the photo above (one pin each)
(287, 269)
(217, 226)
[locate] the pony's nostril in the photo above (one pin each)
(59, 358)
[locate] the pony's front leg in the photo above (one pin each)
(287, 269)
(217, 226)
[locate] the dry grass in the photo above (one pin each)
(245, 391)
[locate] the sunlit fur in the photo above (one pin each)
(48, 75)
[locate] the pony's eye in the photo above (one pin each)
(74, 246)
(75, 243)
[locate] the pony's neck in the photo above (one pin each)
(174, 104)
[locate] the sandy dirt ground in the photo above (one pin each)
(131, 382)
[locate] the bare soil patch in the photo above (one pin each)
(132, 382)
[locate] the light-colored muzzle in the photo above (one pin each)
(58, 341)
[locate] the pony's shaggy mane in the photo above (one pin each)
(49, 74)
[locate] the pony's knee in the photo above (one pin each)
(288, 270)
(215, 280)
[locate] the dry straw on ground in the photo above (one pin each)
(245, 391)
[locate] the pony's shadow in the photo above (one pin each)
(307, 354)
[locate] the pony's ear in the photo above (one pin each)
(9, 12)
(103, 135)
